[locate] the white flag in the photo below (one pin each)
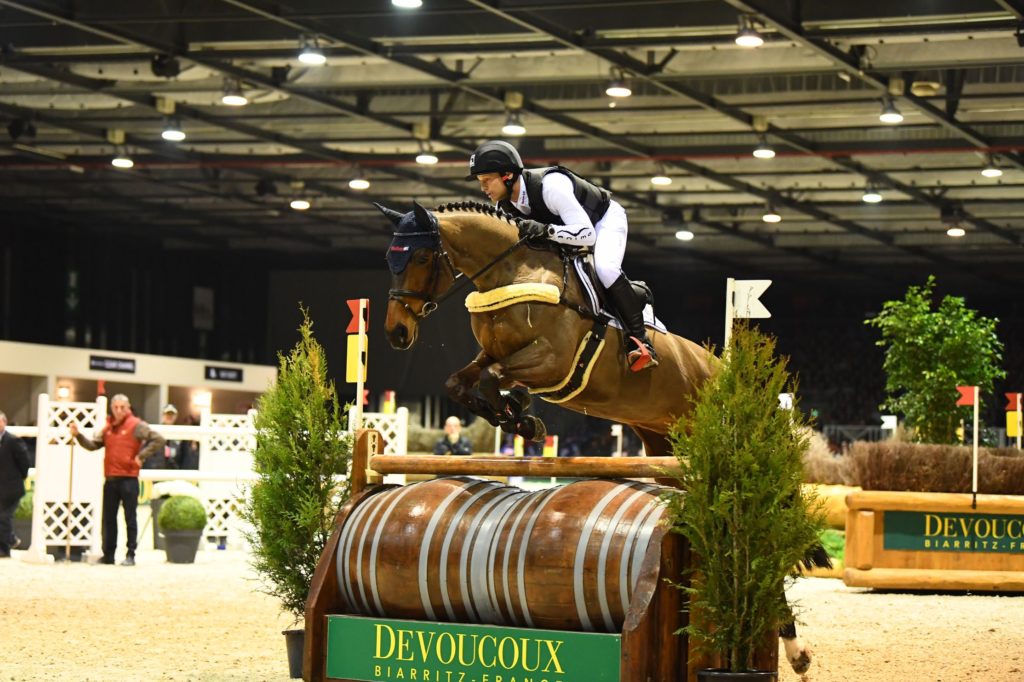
(745, 301)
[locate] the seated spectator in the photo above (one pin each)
(453, 442)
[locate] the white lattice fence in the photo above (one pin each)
(225, 452)
(394, 428)
(68, 499)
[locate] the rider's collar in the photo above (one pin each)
(522, 202)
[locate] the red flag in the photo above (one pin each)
(968, 394)
(353, 306)
(1011, 401)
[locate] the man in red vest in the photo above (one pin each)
(128, 442)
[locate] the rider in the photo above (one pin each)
(559, 205)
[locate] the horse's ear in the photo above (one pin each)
(423, 217)
(392, 215)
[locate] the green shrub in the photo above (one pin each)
(182, 512)
(742, 508)
(302, 448)
(24, 510)
(834, 542)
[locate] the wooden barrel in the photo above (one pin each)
(471, 551)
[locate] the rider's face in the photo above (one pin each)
(493, 186)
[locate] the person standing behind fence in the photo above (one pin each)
(453, 442)
(128, 442)
(169, 456)
(13, 471)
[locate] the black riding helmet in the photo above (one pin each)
(496, 156)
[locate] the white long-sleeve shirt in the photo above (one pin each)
(557, 191)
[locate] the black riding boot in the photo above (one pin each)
(639, 350)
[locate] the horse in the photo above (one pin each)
(533, 323)
(538, 334)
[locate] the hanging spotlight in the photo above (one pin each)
(764, 150)
(991, 170)
(122, 161)
(890, 114)
(770, 216)
(618, 86)
(956, 232)
(359, 183)
(19, 127)
(311, 54)
(233, 95)
(426, 158)
(871, 195)
(661, 180)
(748, 36)
(172, 131)
(164, 66)
(407, 4)
(513, 125)
(300, 204)
(684, 235)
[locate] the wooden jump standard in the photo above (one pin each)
(391, 571)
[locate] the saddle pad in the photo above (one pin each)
(484, 301)
(579, 376)
(588, 286)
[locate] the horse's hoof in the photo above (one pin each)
(532, 428)
(801, 663)
(508, 425)
(519, 398)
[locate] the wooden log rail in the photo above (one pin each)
(508, 465)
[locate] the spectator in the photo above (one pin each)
(453, 442)
(188, 450)
(128, 442)
(168, 459)
(13, 471)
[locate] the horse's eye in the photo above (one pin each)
(422, 258)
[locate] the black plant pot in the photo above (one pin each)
(295, 640)
(720, 675)
(181, 545)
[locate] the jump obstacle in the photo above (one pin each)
(458, 578)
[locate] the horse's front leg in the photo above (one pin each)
(527, 366)
(461, 387)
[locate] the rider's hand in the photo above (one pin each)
(73, 429)
(532, 230)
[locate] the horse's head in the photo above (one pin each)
(420, 272)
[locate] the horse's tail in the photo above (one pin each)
(816, 557)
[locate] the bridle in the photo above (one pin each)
(430, 304)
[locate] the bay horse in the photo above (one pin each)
(537, 334)
(531, 319)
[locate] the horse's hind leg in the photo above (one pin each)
(797, 652)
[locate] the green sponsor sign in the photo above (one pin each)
(384, 650)
(954, 532)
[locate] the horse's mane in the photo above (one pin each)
(477, 207)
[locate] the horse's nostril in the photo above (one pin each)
(401, 334)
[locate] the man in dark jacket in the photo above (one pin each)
(13, 472)
(453, 442)
(128, 441)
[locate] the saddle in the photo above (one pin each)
(583, 262)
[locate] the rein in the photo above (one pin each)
(430, 304)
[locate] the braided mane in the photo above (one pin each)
(477, 207)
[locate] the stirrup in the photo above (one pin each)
(641, 357)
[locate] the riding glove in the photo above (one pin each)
(532, 230)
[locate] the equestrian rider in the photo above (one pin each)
(559, 205)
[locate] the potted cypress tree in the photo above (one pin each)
(182, 519)
(302, 454)
(741, 506)
(23, 520)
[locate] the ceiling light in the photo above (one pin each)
(956, 231)
(684, 235)
(311, 54)
(426, 159)
(890, 114)
(233, 95)
(618, 86)
(991, 170)
(359, 183)
(661, 180)
(300, 204)
(770, 216)
(407, 4)
(122, 161)
(764, 150)
(748, 36)
(164, 66)
(513, 125)
(172, 132)
(871, 195)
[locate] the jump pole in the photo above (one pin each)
(71, 483)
